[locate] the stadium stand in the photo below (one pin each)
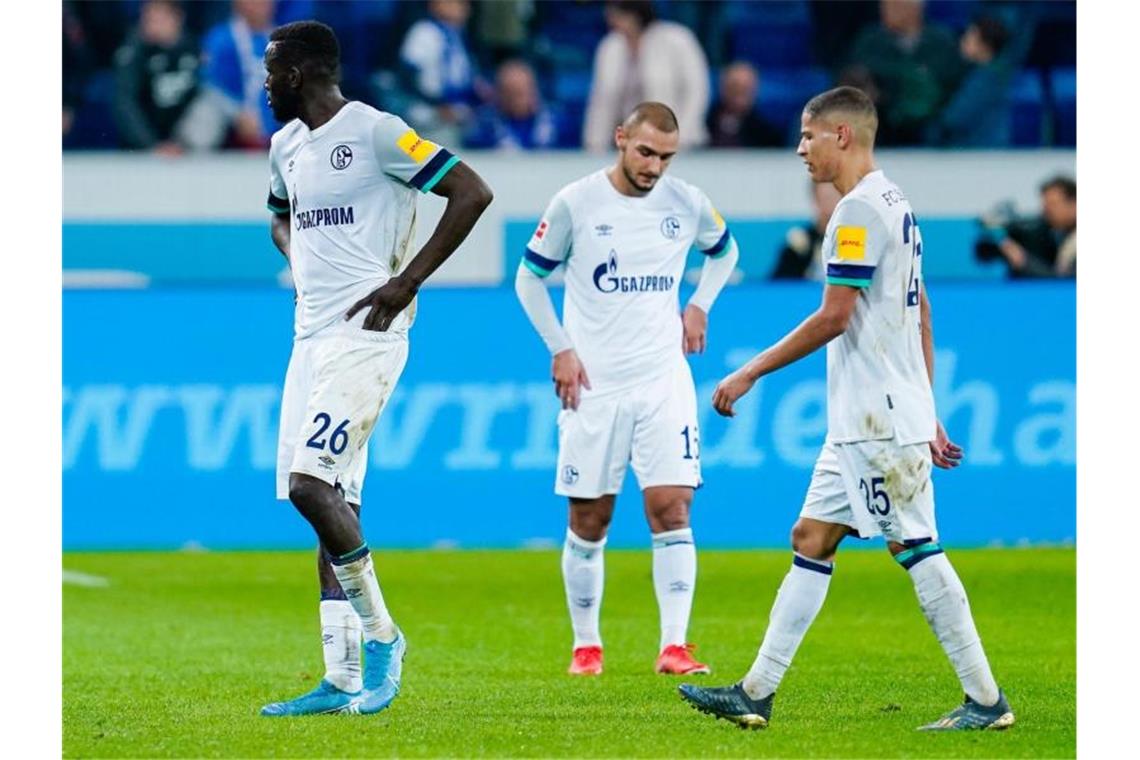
(781, 38)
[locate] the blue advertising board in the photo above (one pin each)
(171, 406)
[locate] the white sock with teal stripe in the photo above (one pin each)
(674, 576)
(358, 579)
(583, 573)
(340, 642)
(798, 601)
(943, 601)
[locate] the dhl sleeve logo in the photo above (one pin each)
(415, 146)
(851, 243)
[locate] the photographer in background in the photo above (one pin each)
(1040, 246)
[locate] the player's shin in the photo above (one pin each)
(341, 630)
(674, 578)
(357, 577)
(944, 603)
(583, 573)
(798, 601)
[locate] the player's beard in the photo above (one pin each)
(631, 178)
(285, 106)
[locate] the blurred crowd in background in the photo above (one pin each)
(174, 77)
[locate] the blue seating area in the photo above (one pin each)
(1063, 90)
(767, 45)
(783, 93)
(770, 34)
(1028, 112)
(955, 14)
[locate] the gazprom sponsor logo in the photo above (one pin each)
(324, 217)
(607, 280)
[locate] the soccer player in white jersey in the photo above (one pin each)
(873, 474)
(619, 368)
(343, 185)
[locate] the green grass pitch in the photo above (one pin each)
(177, 653)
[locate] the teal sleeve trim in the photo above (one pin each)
(723, 251)
(720, 246)
(848, 281)
(440, 174)
(535, 268)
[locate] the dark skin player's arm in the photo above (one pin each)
(279, 231)
(467, 197)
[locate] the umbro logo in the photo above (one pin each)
(585, 602)
(327, 460)
(678, 587)
(604, 230)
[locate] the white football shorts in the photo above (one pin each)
(878, 488)
(652, 425)
(335, 389)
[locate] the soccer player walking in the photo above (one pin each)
(873, 474)
(619, 368)
(343, 184)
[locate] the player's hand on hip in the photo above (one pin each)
(569, 378)
(729, 390)
(384, 304)
(944, 453)
(695, 322)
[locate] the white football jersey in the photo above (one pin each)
(624, 260)
(350, 189)
(877, 386)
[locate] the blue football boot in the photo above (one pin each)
(322, 700)
(383, 666)
(970, 716)
(729, 702)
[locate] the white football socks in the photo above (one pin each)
(943, 601)
(340, 640)
(583, 573)
(358, 579)
(797, 603)
(674, 576)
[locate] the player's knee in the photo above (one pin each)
(590, 527)
(673, 514)
(590, 523)
(305, 495)
(810, 542)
